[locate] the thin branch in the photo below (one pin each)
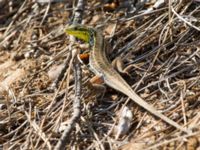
(78, 75)
(76, 109)
(184, 20)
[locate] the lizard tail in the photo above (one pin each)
(132, 95)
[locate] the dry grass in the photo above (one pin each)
(159, 48)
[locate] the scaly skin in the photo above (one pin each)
(100, 65)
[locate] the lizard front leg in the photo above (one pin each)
(94, 85)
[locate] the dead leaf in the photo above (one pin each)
(133, 146)
(110, 29)
(124, 123)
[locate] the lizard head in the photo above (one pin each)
(81, 32)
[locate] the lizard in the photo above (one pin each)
(100, 66)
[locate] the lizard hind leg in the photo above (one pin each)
(96, 86)
(118, 64)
